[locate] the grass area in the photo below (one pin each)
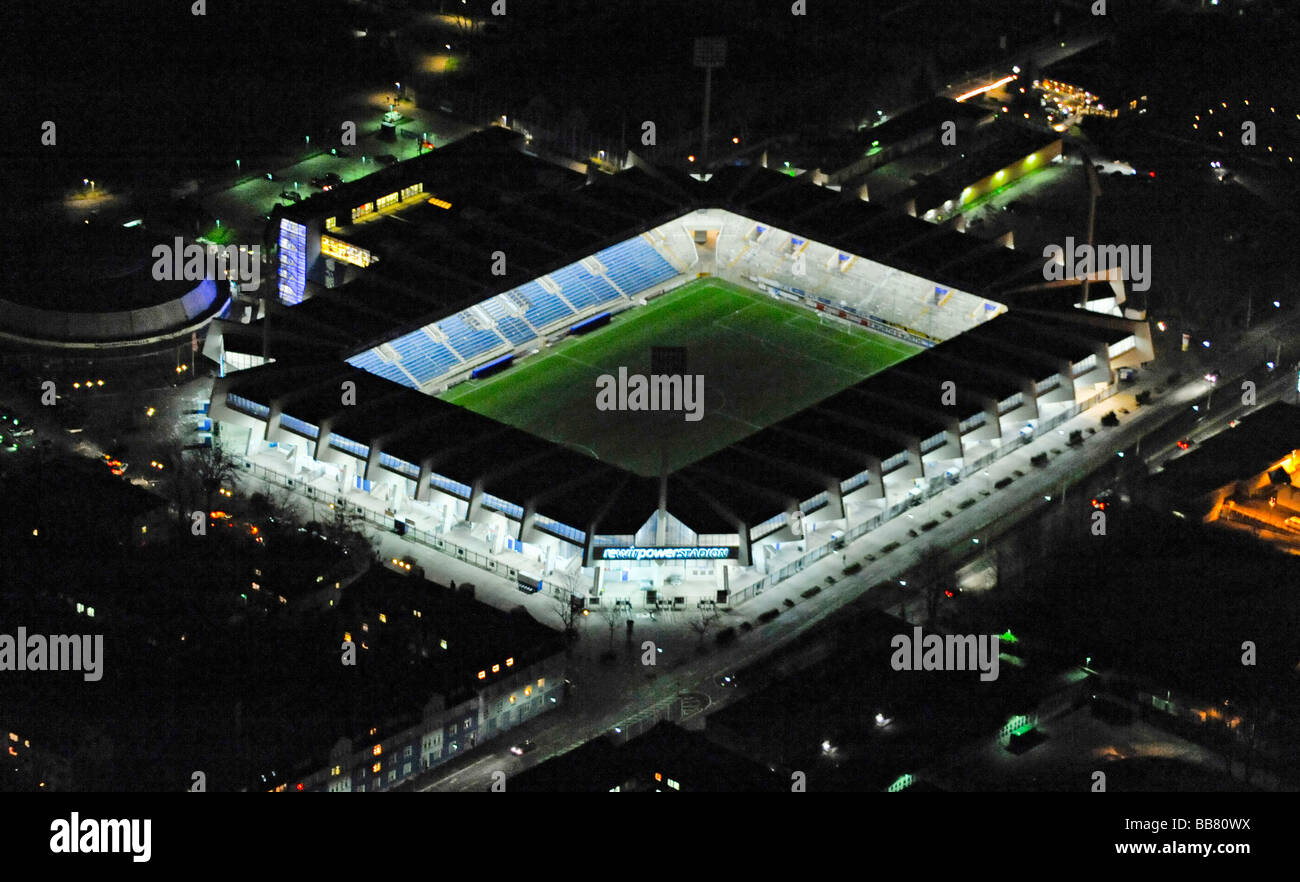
(762, 360)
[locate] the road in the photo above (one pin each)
(609, 697)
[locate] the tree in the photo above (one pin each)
(569, 605)
(704, 624)
(348, 529)
(613, 616)
(213, 468)
(178, 482)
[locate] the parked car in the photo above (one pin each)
(523, 747)
(291, 195)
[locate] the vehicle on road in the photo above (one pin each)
(728, 680)
(1183, 444)
(523, 747)
(405, 565)
(291, 195)
(1212, 376)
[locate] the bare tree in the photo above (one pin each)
(702, 625)
(613, 616)
(178, 482)
(214, 469)
(348, 529)
(569, 611)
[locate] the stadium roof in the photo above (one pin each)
(435, 261)
(1007, 144)
(919, 120)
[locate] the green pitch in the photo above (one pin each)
(762, 360)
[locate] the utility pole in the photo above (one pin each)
(1094, 190)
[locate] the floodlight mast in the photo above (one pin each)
(710, 52)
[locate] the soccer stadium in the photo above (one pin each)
(435, 354)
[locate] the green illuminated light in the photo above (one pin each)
(1009, 637)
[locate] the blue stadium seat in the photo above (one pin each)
(434, 361)
(546, 308)
(466, 341)
(515, 330)
(574, 288)
(635, 266)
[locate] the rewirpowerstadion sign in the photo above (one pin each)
(632, 552)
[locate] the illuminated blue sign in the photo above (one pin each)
(632, 552)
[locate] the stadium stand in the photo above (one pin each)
(468, 342)
(634, 265)
(748, 253)
(676, 244)
(545, 308)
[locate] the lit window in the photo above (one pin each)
(512, 699)
(337, 770)
(443, 645)
(541, 681)
(377, 750)
(673, 784)
(496, 669)
(510, 662)
(383, 619)
(482, 675)
(659, 776)
(376, 767)
(528, 690)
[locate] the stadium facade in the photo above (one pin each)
(402, 284)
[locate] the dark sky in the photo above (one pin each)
(131, 79)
